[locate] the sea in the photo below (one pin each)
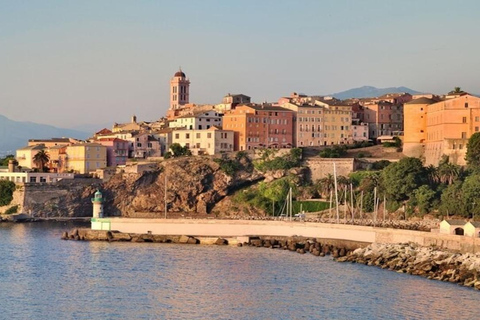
(44, 277)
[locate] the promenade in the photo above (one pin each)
(245, 228)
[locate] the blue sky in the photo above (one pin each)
(69, 63)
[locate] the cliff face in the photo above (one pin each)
(194, 186)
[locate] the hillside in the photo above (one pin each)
(15, 134)
(368, 91)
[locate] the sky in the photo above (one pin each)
(72, 63)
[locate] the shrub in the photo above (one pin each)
(12, 210)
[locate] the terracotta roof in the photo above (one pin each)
(104, 131)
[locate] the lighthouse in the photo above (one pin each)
(97, 201)
(98, 221)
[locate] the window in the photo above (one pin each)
(209, 135)
(477, 119)
(464, 120)
(197, 135)
(187, 135)
(476, 129)
(466, 104)
(464, 135)
(177, 136)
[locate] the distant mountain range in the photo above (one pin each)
(368, 91)
(15, 134)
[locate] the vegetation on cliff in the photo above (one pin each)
(6, 192)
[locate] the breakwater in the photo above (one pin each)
(430, 262)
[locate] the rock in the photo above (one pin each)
(120, 236)
(239, 244)
(64, 236)
(183, 239)
(192, 240)
(221, 242)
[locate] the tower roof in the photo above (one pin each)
(180, 73)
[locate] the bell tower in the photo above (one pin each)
(179, 90)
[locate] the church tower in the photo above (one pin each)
(179, 90)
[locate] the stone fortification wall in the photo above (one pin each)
(321, 167)
(62, 199)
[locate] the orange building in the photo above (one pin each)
(450, 124)
(415, 127)
(260, 126)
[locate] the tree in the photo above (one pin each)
(326, 184)
(4, 161)
(473, 151)
(41, 159)
(424, 198)
(470, 194)
(176, 150)
(446, 172)
(452, 200)
(401, 178)
(6, 192)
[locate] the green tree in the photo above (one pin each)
(6, 192)
(401, 178)
(424, 198)
(452, 200)
(473, 151)
(4, 161)
(176, 150)
(471, 195)
(40, 159)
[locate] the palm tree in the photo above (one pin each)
(326, 184)
(41, 159)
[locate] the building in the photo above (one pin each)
(52, 142)
(308, 124)
(145, 145)
(117, 151)
(86, 157)
(179, 90)
(472, 229)
(359, 131)
(383, 117)
(210, 141)
(260, 126)
(24, 156)
(337, 120)
(415, 132)
(450, 123)
(452, 227)
(198, 121)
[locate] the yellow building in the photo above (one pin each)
(86, 157)
(25, 156)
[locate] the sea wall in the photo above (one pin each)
(235, 228)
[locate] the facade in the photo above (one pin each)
(450, 123)
(25, 156)
(211, 141)
(384, 118)
(179, 90)
(337, 120)
(144, 146)
(117, 151)
(58, 158)
(86, 157)
(308, 124)
(236, 99)
(415, 132)
(359, 131)
(260, 126)
(199, 121)
(35, 177)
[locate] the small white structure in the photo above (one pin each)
(472, 229)
(452, 227)
(98, 222)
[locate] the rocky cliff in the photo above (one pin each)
(195, 186)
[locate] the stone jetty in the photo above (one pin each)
(429, 262)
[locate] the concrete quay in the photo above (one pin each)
(248, 228)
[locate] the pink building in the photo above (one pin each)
(117, 151)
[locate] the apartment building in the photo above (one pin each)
(260, 126)
(210, 141)
(86, 157)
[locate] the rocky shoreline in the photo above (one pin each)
(430, 262)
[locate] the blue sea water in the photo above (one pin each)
(43, 277)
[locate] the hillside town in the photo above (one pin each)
(429, 126)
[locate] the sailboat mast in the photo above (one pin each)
(336, 191)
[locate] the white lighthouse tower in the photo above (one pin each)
(98, 222)
(97, 201)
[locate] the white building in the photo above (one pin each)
(199, 121)
(211, 141)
